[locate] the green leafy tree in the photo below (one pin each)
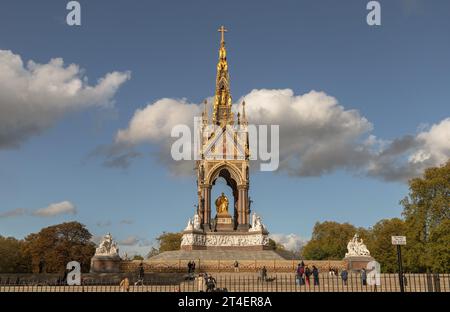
(440, 248)
(380, 245)
(169, 241)
(54, 246)
(329, 240)
(426, 212)
(138, 257)
(12, 257)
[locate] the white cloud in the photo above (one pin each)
(135, 241)
(129, 241)
(291, 242)
(317, 136)
(55, 209)
(434, 144)
(154, 123)
(12, 213)
(34, 96)
(407, 157)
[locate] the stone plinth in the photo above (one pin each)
(105, 264)
(224, 223)
(357, 263)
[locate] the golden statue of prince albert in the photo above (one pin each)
(222, 205)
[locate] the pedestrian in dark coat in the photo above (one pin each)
(315, 273)
(307, 275)
(344, 276)
(364, 277)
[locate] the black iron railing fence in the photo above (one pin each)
(240, 283)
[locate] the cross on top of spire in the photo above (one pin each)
(222, 30)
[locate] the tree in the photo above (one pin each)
(275, 246)
(329, 240)
(169, 241)
(153, 252)
(138, 257)
(426, 212)
(440, 236)
(380, 245)
(12, 257)
(54, 246)
(280, 249)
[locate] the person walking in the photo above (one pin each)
(125, 285)
(236, 266)
(140, 275)
(307, 275)
(300, 273)
(210, 284)
(315, 273)
(344, 276)
(364, 277)
(263, 274)
(201, 283)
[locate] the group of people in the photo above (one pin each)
(125, 282)
(191, 267)
(333, 271)
(303, 275)
(205, 282)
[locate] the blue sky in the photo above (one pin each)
(396, 76)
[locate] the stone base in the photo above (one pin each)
(225, 241)
(224, 223)
(105, 264)
(357, 263)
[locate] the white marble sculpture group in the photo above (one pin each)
(257, 225)
(193, 224)
(107, 247)
(356, 248)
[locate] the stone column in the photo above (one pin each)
(243, 223)
(206, 193)
(201, 205)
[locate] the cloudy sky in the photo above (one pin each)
(86, 112)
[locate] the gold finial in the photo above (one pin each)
(222, 30)
(222, 114)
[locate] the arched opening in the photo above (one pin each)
(224, 183)
(235, 190)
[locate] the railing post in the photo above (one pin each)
(429, 282)
(437, 283)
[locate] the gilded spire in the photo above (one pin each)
(222, 114)
(244, 115)
(205, 113)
